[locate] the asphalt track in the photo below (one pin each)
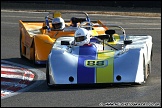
(40, 95)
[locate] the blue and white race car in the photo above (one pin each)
(110, 59)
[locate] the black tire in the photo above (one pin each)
(145, 70)
(47, 75)
(34, 54)
(151, 55)
(21, 54)
(149, 68)
(149, 64)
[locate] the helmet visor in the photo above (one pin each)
(57, 25)
(80, 38)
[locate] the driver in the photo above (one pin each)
(82, 37)
(58, 23)
(73, 22)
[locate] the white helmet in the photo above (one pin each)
(82, 36)
(58, 23)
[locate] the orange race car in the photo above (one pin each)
(38, 37)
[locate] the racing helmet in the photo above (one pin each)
(58, 23)
(82, 36)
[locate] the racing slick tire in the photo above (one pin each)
(145, 70)
(21, 53)
(47, 76)
(149, 68)
(33, 54)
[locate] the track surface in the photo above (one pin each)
(42, 96)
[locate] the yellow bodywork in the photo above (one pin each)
(36, 42)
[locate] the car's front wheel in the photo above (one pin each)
(149, 67)
(47, 76)
(145, 70)
(21, 46)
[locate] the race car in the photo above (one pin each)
(122, 59)
(37, 37)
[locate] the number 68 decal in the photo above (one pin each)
(96, 63)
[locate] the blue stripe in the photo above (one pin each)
(86, 74)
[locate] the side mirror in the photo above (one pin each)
(110, 32)
(126, 42)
